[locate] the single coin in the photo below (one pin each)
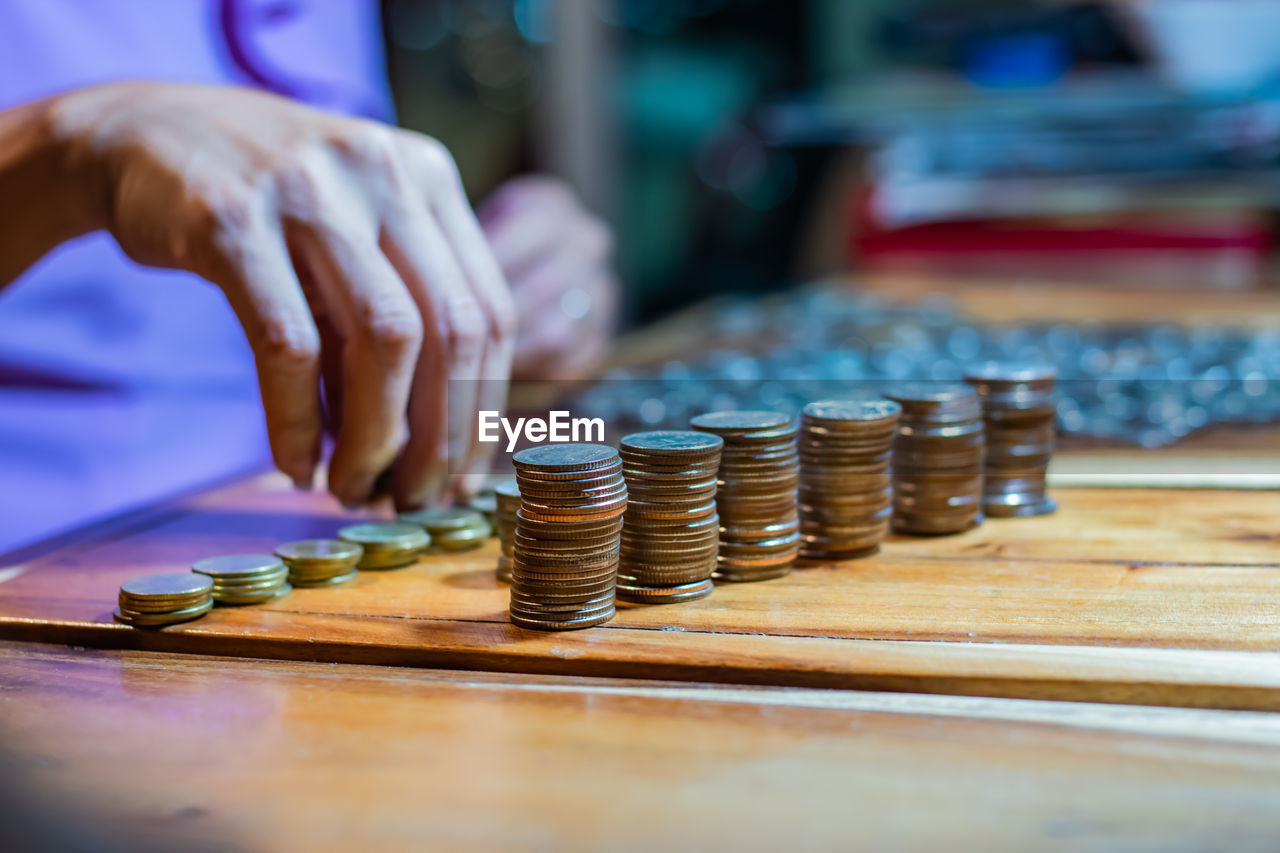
(852, 410)
(378, 536)
(739, 421)
(565, 457)
(671, 443)
(174, 585)
(325, 551)
(238, 566)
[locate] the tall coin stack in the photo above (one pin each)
(507, 494)
(1017, 405)
(846, 490)
(755, 494)
(937, 458)
(670, 532)
(565, 555)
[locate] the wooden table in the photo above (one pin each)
(170, 752)
(1159, 597)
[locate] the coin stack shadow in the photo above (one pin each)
(670, 532)
(755, 494)
(167, 599)
(245, 578)
(1018, 408)
(846, 490)
(937, 458)
(565, 555)
(507, 494)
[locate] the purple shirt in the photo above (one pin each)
(121, 385)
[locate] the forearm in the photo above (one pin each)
(47, 195)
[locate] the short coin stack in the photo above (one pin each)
(846, 490)
(245, 578)
(565, 554)
(755, 494)
(154, 600)
(937, 458)
(507, 494)
(320, 562)
(1017, 405)
(670, 533)
(386, 546)
(451, 529)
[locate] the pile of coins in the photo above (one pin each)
(507, 495)
(937, 458)
(245, 578)
(154, 600)
(846, 490)
(565, 554)
(671, 532)
(386, 546)
(320, 562)
(450, 529)
(755, 494)
(1019, 411)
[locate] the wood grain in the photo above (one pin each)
(1135, 596)
(146, 751)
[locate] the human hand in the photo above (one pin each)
(347, 249)
(556, 256)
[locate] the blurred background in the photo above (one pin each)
(745, 145)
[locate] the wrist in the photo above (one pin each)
(74, 172)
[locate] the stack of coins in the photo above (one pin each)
(245, 578)
(755, 494)
(1018, 408)
(937, 458)
(386, 546)
(670, 532)
(320, 562)
(565, 554)
(846, 490)
(154, 600)
(451, 529)
(507, 494)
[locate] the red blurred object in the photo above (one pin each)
(1214, 248)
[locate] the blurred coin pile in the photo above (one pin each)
(937, 458)
(154, 600)
(755, 494)
(320, 562)
(846, 490)
(565, 554)
(670, 532)
(386, 546)
(450, 528)
(1143, 383)
(507, 496)
(245, 578)
(1018, 410)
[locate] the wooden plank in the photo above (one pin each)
(1123, 596)
(173, 752)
